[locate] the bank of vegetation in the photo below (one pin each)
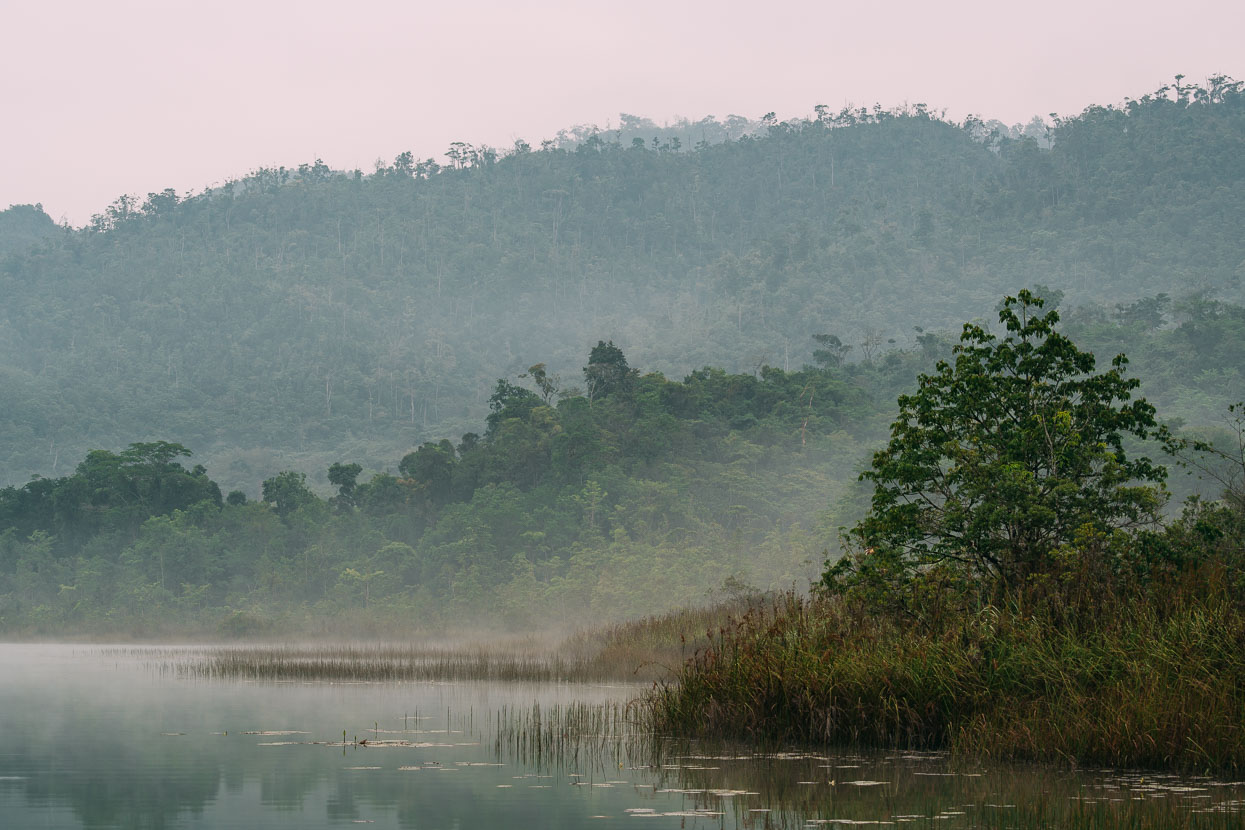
(1012, 590)
(609, 495)
(623, 495)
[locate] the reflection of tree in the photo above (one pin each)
(109, 777)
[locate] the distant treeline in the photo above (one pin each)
(621, 495)
(299, 315)
(606, 494)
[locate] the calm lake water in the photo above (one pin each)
(93, 737)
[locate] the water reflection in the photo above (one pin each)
(92, 739)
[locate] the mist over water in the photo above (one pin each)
(116, 737)
(353, 408)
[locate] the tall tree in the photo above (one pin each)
(1007, 453)
(607, 371)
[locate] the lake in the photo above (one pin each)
(116, 737)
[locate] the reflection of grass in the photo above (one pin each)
(1150, 682)
(603, 745)
(643, 650)
(577, 734)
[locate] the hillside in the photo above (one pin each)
(297, 317)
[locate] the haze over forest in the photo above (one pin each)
(297, 315)
(303, 317)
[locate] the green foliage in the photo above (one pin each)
(647, 496)
(346, 478)
(287, 492)
(1005, 455)
(22, 226)
(305, 313)
(642, 498)
(109, 494)
(607, 372)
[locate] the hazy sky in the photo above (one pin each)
(105, 98)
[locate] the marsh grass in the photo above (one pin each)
(610, 745)
(1154, 679)
(378, 663)
(599, 737)
(639, 651)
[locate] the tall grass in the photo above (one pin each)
(596, 744)
(368, 663)
(1152, 678)
(586, 736)
(645, 650)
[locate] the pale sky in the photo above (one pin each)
(124, 96)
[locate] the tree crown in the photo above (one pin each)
(1006, 453)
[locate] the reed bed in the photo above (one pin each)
(641, 651)
(1154, 680)
(359, 663)
(591, 736)
(593, 744)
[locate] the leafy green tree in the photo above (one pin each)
(345, 477)
(607, 372)
(832, 352)
(578, 445)
(382, 496)
(364, 578)
(547, 385)
(287, 491)
(432, 468)
(509, 402)
(589, 500)
(1005, 454)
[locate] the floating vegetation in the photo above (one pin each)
(588, 746)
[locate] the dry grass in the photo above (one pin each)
(1157, 681)
(641, 651)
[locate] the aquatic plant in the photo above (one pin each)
(639, 651)
(1081, 674)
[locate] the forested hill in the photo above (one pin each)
(23, 226)
(296, 317)
(640, 494)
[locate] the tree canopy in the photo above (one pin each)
(295, 311)
(1007, 452)
(625, 504)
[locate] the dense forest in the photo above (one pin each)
(319, 337)
(299, 316)
(633, 495)
(623, 494)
